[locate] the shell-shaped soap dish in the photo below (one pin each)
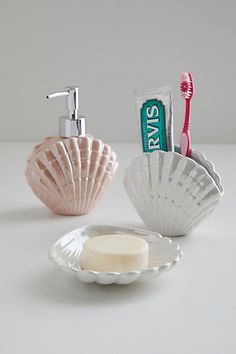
(65, 254)
(172, 193)
(70, 174)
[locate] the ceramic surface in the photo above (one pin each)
(201, 159)
(65, 253)
(172, 193)
(69, 175)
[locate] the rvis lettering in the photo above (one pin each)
(151, 111)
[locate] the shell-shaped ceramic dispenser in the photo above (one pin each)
(70, 172)
(172, 193)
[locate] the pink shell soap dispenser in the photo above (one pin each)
(69, 172)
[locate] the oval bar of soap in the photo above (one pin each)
(115, 253)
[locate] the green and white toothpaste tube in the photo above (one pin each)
(155, 112)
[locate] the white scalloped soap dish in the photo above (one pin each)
(65, 254)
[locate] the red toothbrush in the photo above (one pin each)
(186, 88)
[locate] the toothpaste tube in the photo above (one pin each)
(155, 112)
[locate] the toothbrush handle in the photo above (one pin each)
(185, 142)
(187, 116)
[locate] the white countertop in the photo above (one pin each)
(189, 310)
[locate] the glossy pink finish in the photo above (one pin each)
(186, 89)
(70, 174)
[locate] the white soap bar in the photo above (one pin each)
(115, 253)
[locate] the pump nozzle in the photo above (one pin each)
(58, 94)
(73, 124)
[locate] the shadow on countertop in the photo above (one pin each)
(54, 286)
(30, 214)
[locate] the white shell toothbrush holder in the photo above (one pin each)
(172, 193)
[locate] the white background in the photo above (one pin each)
(109, 48)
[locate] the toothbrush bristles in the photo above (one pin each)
(186, 86)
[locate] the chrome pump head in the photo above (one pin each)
(73, 124)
